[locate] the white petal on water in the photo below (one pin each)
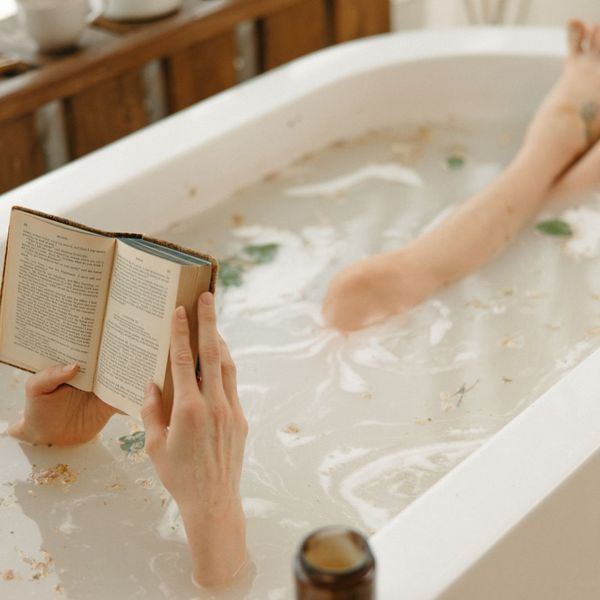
(442, 325)
(585, 222)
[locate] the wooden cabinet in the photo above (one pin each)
(101, 88)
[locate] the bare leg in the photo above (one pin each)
(582, 176)
(585, 173)
(563, 129)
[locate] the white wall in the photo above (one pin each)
(7, 8)
(411, 14)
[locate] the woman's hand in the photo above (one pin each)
(58, 414)
(199, 456)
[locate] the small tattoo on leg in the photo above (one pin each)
(589, 112)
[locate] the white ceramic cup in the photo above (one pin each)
(54, 25)
(132, 10)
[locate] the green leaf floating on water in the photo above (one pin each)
(133, 442)
(232, 269)
(555, 227)
(455, 162)
(230, 272)
(263, 254)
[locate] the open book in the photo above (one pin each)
(72, 294)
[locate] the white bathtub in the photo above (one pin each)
(520, 518)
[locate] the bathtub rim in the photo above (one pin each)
(148, 148)
(437, 539)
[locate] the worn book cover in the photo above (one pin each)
(103, 300)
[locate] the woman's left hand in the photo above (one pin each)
(57, 413)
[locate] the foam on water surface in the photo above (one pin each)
(343, 428)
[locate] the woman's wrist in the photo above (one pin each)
(205, 507)
(217, 541)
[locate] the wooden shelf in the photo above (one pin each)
(100, 86)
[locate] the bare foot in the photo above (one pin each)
(375, 288)
(565, 126)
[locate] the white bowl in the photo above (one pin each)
(133, 10)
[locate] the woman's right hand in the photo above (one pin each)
(199, 456)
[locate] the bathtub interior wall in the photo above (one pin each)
(195, 159)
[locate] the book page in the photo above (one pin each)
(137, 325)
(55, 286)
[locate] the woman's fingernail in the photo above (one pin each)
(207, 298)
(180, 312)
(68, 368)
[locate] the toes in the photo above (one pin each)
(577, 34)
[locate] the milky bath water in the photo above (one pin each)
(344, 429)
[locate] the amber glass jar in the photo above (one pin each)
(335, 563)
